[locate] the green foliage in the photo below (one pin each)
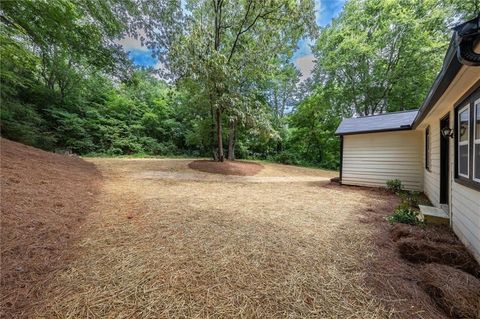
(383, 55)
(410, 198)
(404, 215)
(395, 186)
(287, 157)
(67, 86)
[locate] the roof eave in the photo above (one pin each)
(376, 131)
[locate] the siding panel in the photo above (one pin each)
(373, 159)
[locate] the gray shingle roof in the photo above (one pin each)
(377, 123)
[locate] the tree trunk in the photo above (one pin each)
(212, 136)
(231, 141)
(219, 135)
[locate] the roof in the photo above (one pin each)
(394, 121)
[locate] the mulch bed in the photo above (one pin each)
(238, 168)
(453, 290)
(420, 272)
(45, 198)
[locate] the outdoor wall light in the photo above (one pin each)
(447, 132)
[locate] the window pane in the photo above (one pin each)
(477, 117)
(477, 161)
(463, 125)
(463, 159)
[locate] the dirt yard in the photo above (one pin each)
(160, 239)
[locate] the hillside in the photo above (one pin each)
(45, 198)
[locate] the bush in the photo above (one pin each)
(289, 158)
(404, 215)
(394, 185)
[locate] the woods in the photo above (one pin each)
(226, 82)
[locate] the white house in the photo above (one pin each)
(435, 149)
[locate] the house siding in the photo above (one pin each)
(464, 203)
(373, 159)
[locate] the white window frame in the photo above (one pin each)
(461, 143)
(476, 142)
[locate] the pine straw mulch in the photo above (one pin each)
(239, 168)
(182, 249)
(422, 272)
(45, 198)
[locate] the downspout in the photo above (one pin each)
(466, 37)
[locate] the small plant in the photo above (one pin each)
(404, 215)
(394, 185)
(413, 198)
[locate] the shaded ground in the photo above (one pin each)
(45, 198)
(163, 240)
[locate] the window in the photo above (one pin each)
(476, 142)
(467, 141)
(427, 148)
(463, 132)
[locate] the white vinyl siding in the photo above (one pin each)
(374, 158)
(464, 201)
(466, 216)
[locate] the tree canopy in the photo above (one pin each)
(227, 80)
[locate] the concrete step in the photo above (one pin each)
(434, 215)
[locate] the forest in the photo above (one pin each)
(226, 87)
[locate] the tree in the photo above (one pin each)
(229, 42)
(382, 55)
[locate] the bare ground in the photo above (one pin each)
(162, 240)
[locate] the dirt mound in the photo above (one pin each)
(239, 168)
(423, 251)
(453, 290)
(44, 199)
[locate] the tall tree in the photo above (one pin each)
(383, 55)
(229, 41)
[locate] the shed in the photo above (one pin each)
(378, 148)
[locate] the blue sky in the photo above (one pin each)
(325, 11)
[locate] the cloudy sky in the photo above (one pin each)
(325, 11)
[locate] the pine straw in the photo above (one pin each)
(419, 250)
(398, 282)
(163, 248)
(45, 198)
(453, 290)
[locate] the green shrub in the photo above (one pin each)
(287, 158)
(404, 215)
(394, 185)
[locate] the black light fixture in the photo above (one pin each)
(447, 132)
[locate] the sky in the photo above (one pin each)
(325, 11)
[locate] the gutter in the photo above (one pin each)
(401, 128)
(460, 52)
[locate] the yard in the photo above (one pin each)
(156, 238)
(164, 240)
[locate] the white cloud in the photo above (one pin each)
(305, 65)
(130, 43)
